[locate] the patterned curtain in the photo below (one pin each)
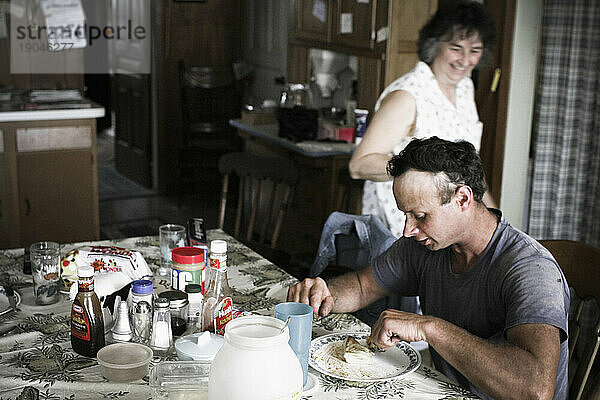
(565, 187)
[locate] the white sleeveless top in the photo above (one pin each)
(436, 116)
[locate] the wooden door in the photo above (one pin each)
(132, 94)
(492, 96)
(133, 133)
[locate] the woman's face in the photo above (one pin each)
(457, 58)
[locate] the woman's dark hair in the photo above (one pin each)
(457, 161)
(468, 17)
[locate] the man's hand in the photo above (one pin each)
(313, 292)
(394, 326)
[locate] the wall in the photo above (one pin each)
(525, 54)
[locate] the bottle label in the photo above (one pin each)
(80, 323)
(223, 314)
(86, 284)
(218, 262)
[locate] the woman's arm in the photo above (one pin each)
(390, 125)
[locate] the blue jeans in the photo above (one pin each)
(353, 241)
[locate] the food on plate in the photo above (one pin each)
(356, 353)
(372, 345)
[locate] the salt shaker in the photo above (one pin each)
(162, 336)
(142, 322)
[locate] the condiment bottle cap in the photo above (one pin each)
(177, 298)
(218, 246)
(161, 302)
(187, 255)
(193, 288)
(85, 271)
(141, 286)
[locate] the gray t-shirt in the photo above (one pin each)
(515, 281)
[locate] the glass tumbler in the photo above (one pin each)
(170, 236)
(45, 269)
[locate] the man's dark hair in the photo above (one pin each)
(467, 17)
(457, 161)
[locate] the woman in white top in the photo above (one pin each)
(435, 99)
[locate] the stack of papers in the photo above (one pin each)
(46, 96)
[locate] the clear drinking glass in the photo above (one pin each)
(45, 269)
(170, 236)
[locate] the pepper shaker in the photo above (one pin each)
(142, 316)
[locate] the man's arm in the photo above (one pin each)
(524, 368)
(345, 293)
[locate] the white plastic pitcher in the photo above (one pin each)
(256, 362)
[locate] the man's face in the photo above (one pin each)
(430, 223)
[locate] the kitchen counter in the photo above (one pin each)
(94, 111)
(48, 171)
(308, 148)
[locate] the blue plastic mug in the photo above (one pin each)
(300, 326)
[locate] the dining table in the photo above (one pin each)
(37, 361)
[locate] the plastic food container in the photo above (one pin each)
(180, 380)
(256, 362)
(124, 362)
(198, 346)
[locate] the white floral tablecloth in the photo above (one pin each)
(37, 362)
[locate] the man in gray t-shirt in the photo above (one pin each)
(494, 301)
(514, 281)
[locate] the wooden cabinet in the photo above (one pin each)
(48, 177)
(341, 25)
(383, 35)
(311, 20)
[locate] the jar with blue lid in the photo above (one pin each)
(140, 290)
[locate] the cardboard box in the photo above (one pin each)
(258, 118)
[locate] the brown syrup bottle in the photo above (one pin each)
(87, 324)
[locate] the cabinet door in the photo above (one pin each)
(312, 20)
(57, 193)
(354, 23)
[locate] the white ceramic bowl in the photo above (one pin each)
(124, 362)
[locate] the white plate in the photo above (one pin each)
(392, 363)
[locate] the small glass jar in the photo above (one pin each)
(179, 310)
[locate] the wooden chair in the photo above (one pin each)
(265, 190)
(209, 99)
(348, 193)
(580, 263)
